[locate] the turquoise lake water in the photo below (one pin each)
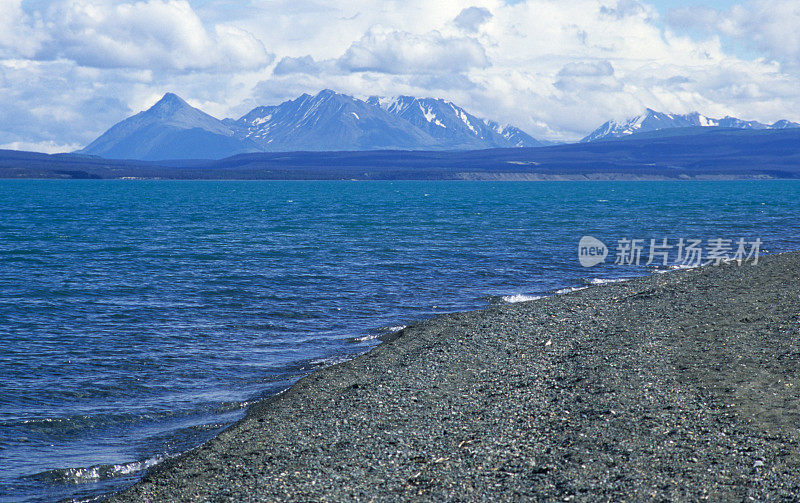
(138, 318)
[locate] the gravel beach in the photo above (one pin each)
(675, 387)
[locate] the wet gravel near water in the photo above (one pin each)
(679, 386)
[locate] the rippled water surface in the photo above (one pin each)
(138, 318)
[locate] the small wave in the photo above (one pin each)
(571, 289)
(233, 406)
(605, 281)
(380, 333)
(208, 427)
(96, 473)
(514, 299)
(331, 360)
(679, 267)
(365, 338)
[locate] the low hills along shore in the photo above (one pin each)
(678, 386)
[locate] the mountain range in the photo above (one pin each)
(707, 153)
(652, 121)
(173, 129)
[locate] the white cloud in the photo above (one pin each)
(403, 52)
(625, 8)
(18, 34)
(165, 35)
(586, 76)
(471, 18)
(47, 147)
(57, 101)
(305, 64)
(587, 69)
(772, 26)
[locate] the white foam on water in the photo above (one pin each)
(381, 332)
(334, 360)
(97, 473)
(605, 281)
(680, 267)
(331, 360)
(368, 337)
(514, 299)
(571, 289)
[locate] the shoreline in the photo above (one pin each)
(519, 400)
(503, 176)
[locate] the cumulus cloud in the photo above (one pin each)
(57, 102)
(696, 17)
(165, 35)
(624, 8)
(772, 26)
(404, 52)
(304, 65)
(471, 18)
(46, 147)
(587, 69)
(587, 76)
(18, 34)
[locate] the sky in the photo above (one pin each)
(70, 69)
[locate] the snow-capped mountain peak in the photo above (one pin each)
(652, 120)
(784, 124)
(379, 122)
(328, 121)
(451, 125)
(325, 121)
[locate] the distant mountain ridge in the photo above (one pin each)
(450, 124)
(172, 129)
(329, 121)
(655, 121)
(710, 153)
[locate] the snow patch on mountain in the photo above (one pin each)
(452, 126)
(656, 121)
(172, 129)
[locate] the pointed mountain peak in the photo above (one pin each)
(170, 129)
(785, 124)
(171, 97)
(321, 96)
(656, 121)
(168, 104)
(329, 94)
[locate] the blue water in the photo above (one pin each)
(138, 318)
